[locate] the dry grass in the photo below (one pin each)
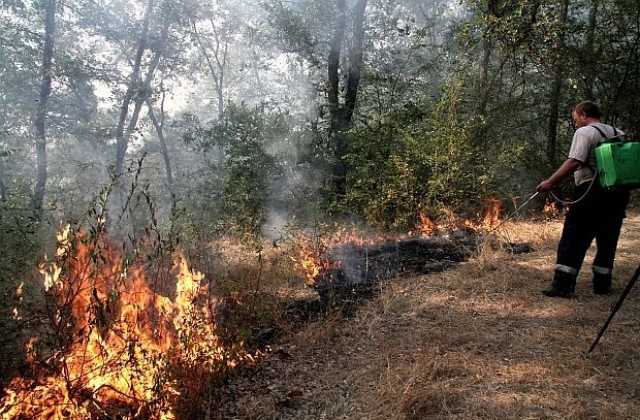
(475, 342)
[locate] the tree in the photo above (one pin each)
(122, 135)
(158, 125)
(41, 117)
(214, 31)
(558, 79)
(341, 111)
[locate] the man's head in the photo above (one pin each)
(585, 113)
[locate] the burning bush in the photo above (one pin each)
(105, 341)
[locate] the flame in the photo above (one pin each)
(426, 225)
(122, 337)
(491, 218)
(313, 259)
(492, 213)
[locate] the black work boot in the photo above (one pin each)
(601, 284)
(563, 285)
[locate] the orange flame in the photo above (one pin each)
(123, 337)
(492, 213)
(313, 260)
(426, 225)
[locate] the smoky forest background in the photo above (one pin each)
(170, 124)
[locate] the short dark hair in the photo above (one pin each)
(589, 108)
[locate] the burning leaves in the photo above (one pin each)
(108, 343)
(314, 260)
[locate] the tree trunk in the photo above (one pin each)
(142, 94)
(485, 59)
(158, 125)
(341, 115)
(556, 85)
(122, 140)
(137, 92)
(333, 67)
(3, 186)
(217, 68)
(590, 53)
(355, 60)
(41, 111)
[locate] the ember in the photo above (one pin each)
(492, 213)
(426, 225)
(552, 208)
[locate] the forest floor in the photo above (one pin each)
(477, 341)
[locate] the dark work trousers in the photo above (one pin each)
(597, 216)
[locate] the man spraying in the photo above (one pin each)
(595, 212)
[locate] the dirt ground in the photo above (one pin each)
(476, 341)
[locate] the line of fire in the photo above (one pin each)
(106, 337)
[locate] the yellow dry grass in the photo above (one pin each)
(478, 341)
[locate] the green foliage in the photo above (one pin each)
(292, 30)
(21, 245)
(249, 168)
(236, 184)
(454, 160)
(385, 183)
(430, 160)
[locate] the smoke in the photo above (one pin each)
(274, 228)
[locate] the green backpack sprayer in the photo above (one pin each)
(617, 162)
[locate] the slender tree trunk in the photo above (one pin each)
(143, 93)
(590, 53)
(3, 186)
(256, 70)
(485, 59)
(222, 67)
(355, 60)
(41, 111)
(122, 140)
(556, 85)
(217, 61)
(158, 125)
(3, 175)
(138, 91)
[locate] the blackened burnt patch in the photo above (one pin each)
(357, 269)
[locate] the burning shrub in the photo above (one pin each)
(108, 344)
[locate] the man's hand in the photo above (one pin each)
(545, 186)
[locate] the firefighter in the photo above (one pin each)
(594, 213)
